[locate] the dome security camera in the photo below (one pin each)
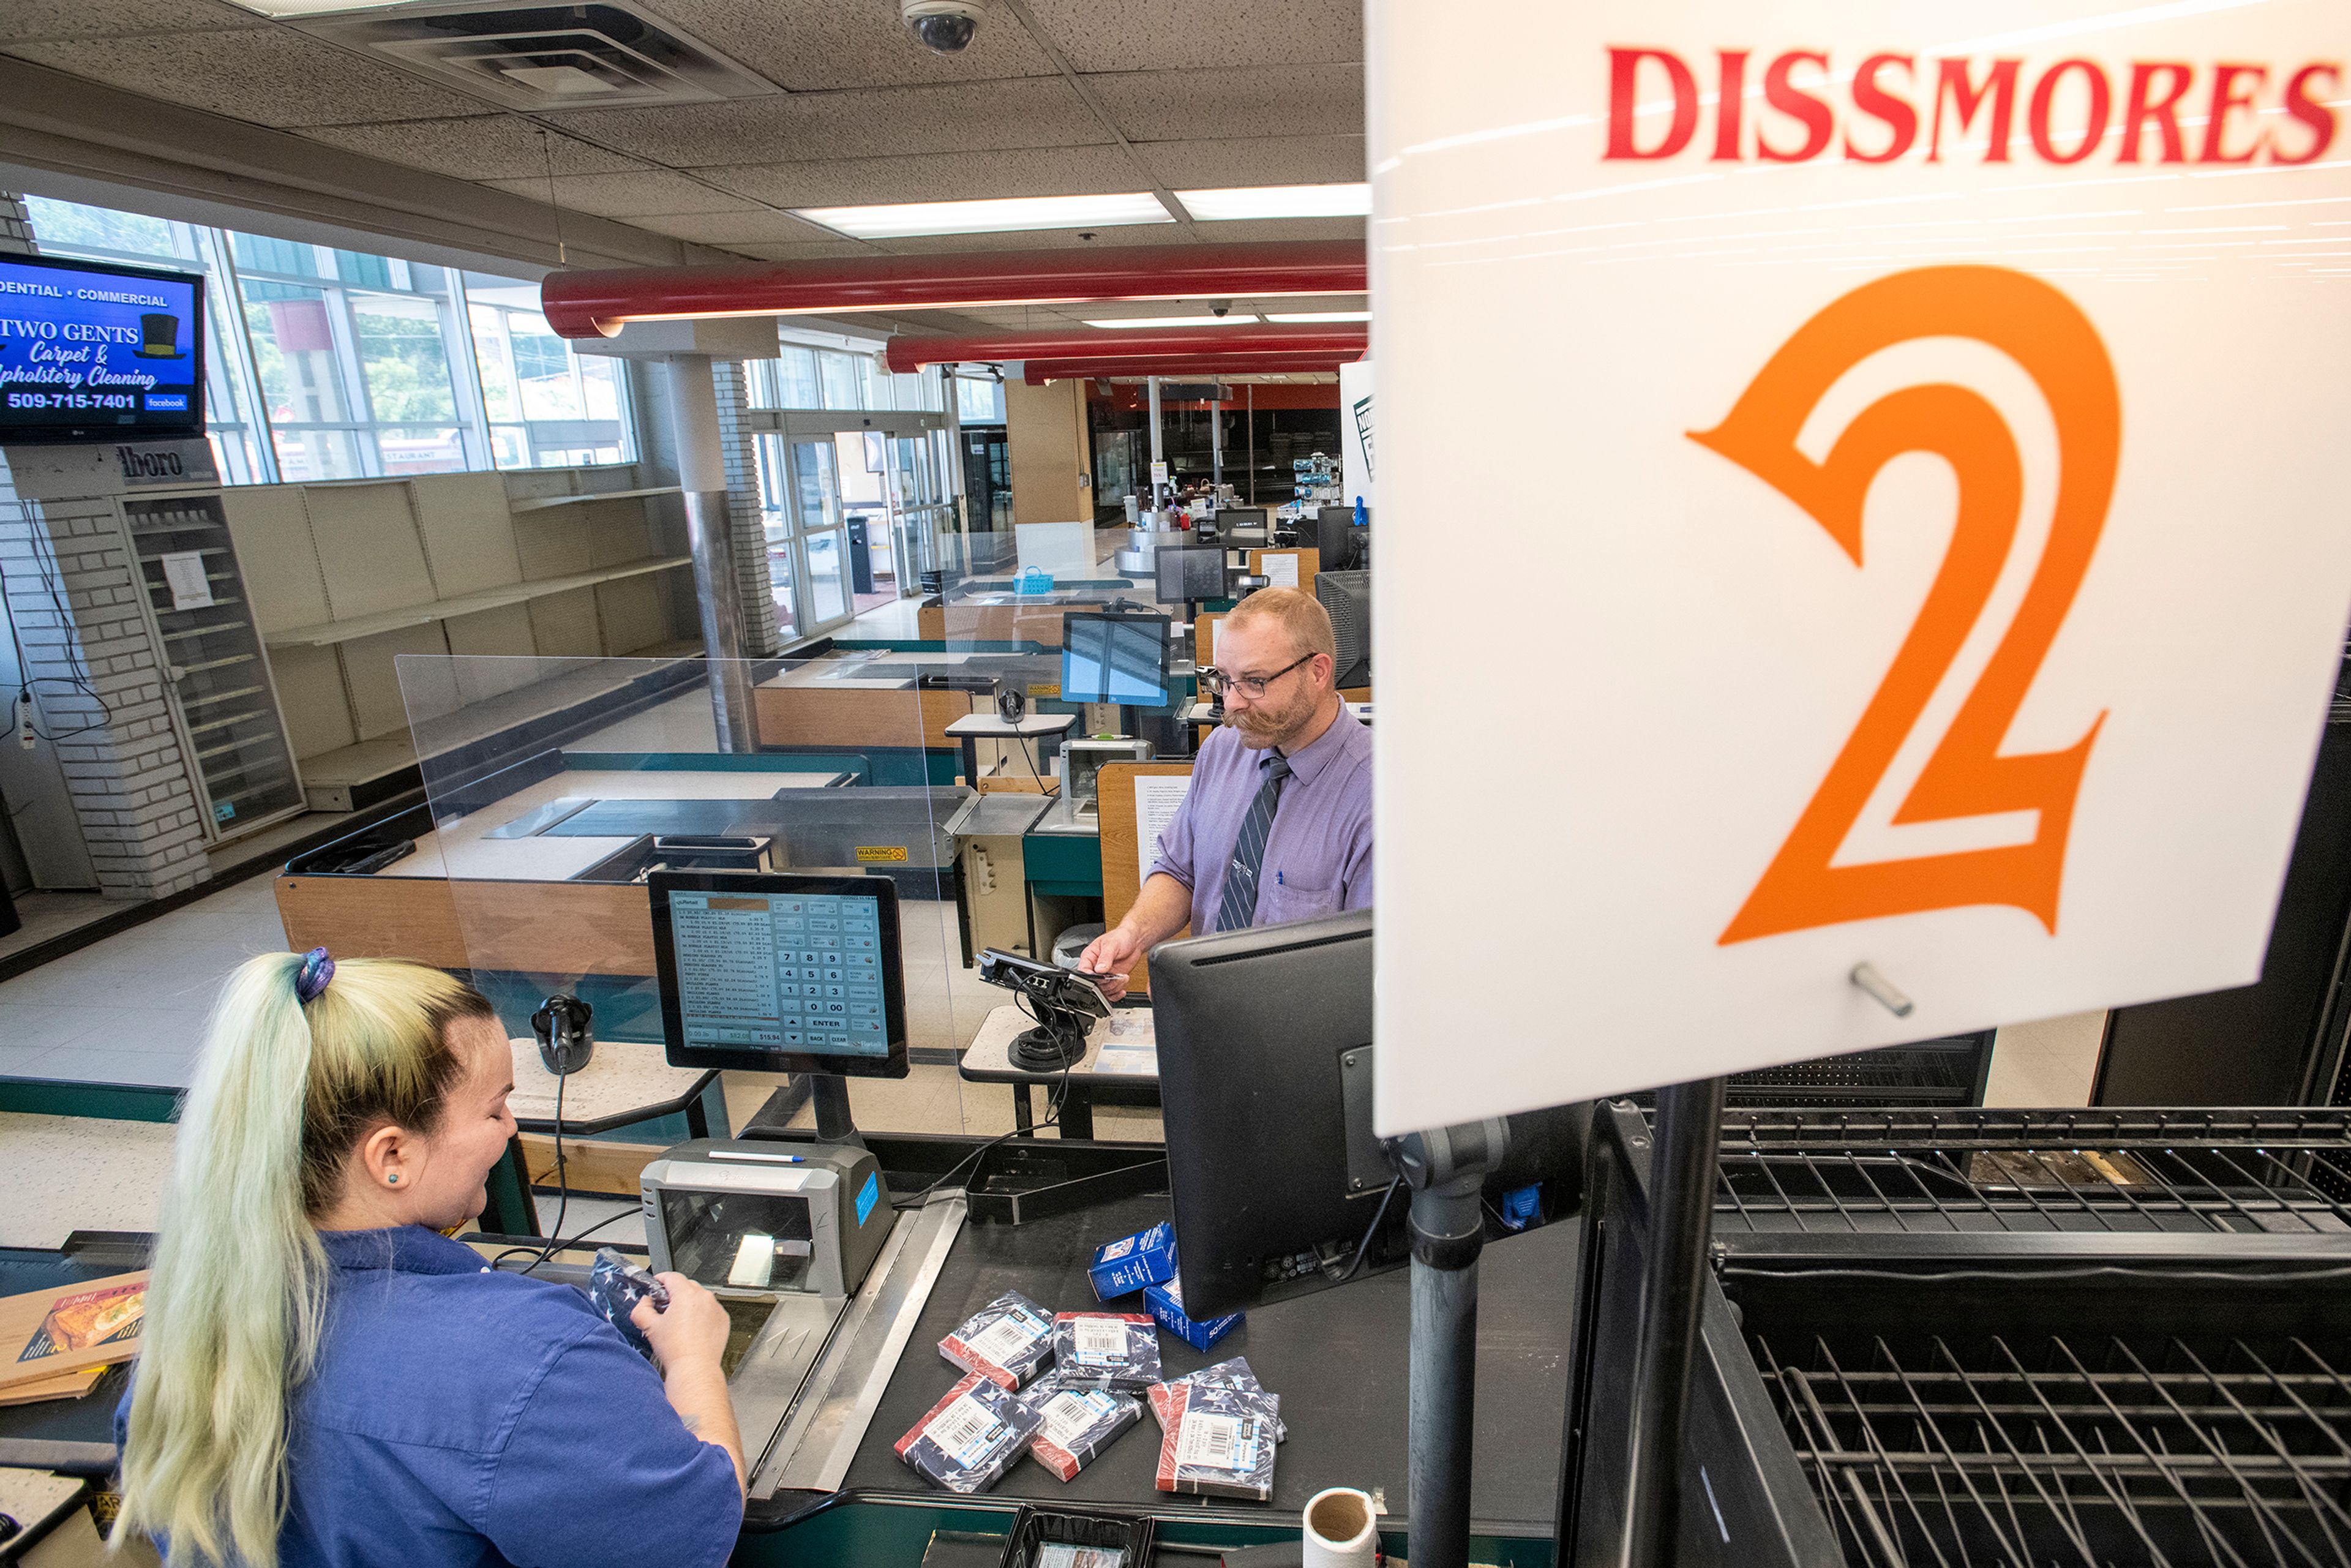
(1221, 307)
(944, 26)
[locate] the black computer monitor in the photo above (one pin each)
(769, 972)
(1115, 659)
(1333, 534)
(1230, 517)
(1265, 1086)
(1190, 572)
(1347, 596)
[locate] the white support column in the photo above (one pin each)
(1153, 383)
(702, 474)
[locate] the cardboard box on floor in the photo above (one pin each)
(47, 1334)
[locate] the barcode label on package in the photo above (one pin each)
(1069, 1414)
(1100, 1342)
(1002, 1341)
(1217, 1442)
(964, 1432)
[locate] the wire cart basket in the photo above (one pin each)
(1993, 1337)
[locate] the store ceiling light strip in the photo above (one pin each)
(1008, 214)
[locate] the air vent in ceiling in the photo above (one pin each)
(545, 58)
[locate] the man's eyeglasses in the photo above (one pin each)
(1250, 686)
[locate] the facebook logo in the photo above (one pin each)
(166, 403)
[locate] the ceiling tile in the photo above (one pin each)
(1254, 100)
(937, 177)
(1255, 161)
(816, 250)
(267, 75)
(483, 147)
(22, 21)
(735, 230)
(1154, 35)
(1041, 111)
(628, 196)
(814, 45)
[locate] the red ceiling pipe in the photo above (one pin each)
(1036, 372)
(1346, 341)
(595, 303)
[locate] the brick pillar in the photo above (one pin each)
(71, 590)
(749, 531)
(15, 228)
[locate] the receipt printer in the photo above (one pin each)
(765, 1217)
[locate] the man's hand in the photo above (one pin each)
(695, 1328)
(1111, 956)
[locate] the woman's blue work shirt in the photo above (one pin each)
(464, 1417)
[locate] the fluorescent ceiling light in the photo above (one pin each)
(1004, 215)
(1300, 317)
(1177, 322)
(1279, 202)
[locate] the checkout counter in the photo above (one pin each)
(827, 1487)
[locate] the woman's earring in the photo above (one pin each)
(394, 1179)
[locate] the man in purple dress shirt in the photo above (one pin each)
(1285, 731)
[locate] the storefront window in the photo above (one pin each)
(231, 406)
(340, 364)
(843, 378)
(546, 406)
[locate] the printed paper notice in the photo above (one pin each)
(1281, 570)
(1155, 800)
(184, 570)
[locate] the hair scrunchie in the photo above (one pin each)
(311, 978)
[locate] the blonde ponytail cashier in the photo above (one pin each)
(302, 1058)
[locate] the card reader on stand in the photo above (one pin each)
(816, 1269)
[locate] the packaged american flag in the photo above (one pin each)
(970, 1438)
(1075, 1422)
(1219, 1441)
(1106, 1350)
(1235, 1373)
(1005, 1341)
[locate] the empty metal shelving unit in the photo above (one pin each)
(222, 694)
(1979, 1337)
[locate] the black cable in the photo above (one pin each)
(1364, 1248)
(561, 1243)
(79, 678)
(1053, 1119)
(562, 1177)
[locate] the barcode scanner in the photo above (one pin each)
(561, 1025)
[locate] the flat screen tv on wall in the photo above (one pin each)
(95, 352)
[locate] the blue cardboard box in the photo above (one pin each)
(1128, 1264)
(1167, 1303)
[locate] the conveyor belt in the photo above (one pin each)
(1337, 1358)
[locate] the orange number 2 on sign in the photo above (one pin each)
(1967, 776)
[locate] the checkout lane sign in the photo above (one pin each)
(1935, 554)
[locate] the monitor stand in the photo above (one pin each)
(830, 1091)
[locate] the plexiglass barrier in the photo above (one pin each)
(557, 786)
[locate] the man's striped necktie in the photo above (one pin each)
(1238, 906)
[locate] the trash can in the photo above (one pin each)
(1071, 944)
(861, 558)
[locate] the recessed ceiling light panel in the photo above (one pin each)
(1278, 202)
(1303, 318)
(904, 220)
(1132, 321)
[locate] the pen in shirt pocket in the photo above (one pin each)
(1277, 879)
